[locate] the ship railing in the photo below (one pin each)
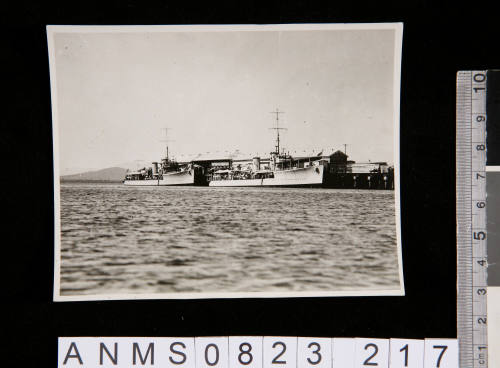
(142, 177)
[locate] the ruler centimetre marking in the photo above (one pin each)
(471, 218)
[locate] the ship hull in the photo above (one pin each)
(141, 183)
(302, 177)
(174, 178)
(178, 178)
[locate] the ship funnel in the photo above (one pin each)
(164, 163)
(273, 160)
(155, 168)
(256, 163)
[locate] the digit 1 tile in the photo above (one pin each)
(406, 353)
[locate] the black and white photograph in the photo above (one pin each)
(226, 161)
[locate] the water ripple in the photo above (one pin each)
(117, 239)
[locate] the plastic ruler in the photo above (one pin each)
(471, 218)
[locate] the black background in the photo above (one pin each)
(493, 128)
(438, 40)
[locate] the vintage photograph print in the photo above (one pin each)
(226, 161)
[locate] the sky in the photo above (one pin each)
(215, 91)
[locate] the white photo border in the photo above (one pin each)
(398, 39)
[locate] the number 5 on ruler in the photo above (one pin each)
(407, 353)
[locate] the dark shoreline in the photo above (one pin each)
(65, 181)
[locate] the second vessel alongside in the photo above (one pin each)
(282, 171)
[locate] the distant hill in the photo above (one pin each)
(112, 174)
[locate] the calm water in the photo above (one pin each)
(118, 239)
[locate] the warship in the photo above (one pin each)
(282, 170)
(279, 169)
(167, 172)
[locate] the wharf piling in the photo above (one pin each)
(338, 173)
(359, 180)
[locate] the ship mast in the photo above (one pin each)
(277, 128)
(166, 140)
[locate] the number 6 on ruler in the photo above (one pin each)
(280, 352)
(314, 352)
